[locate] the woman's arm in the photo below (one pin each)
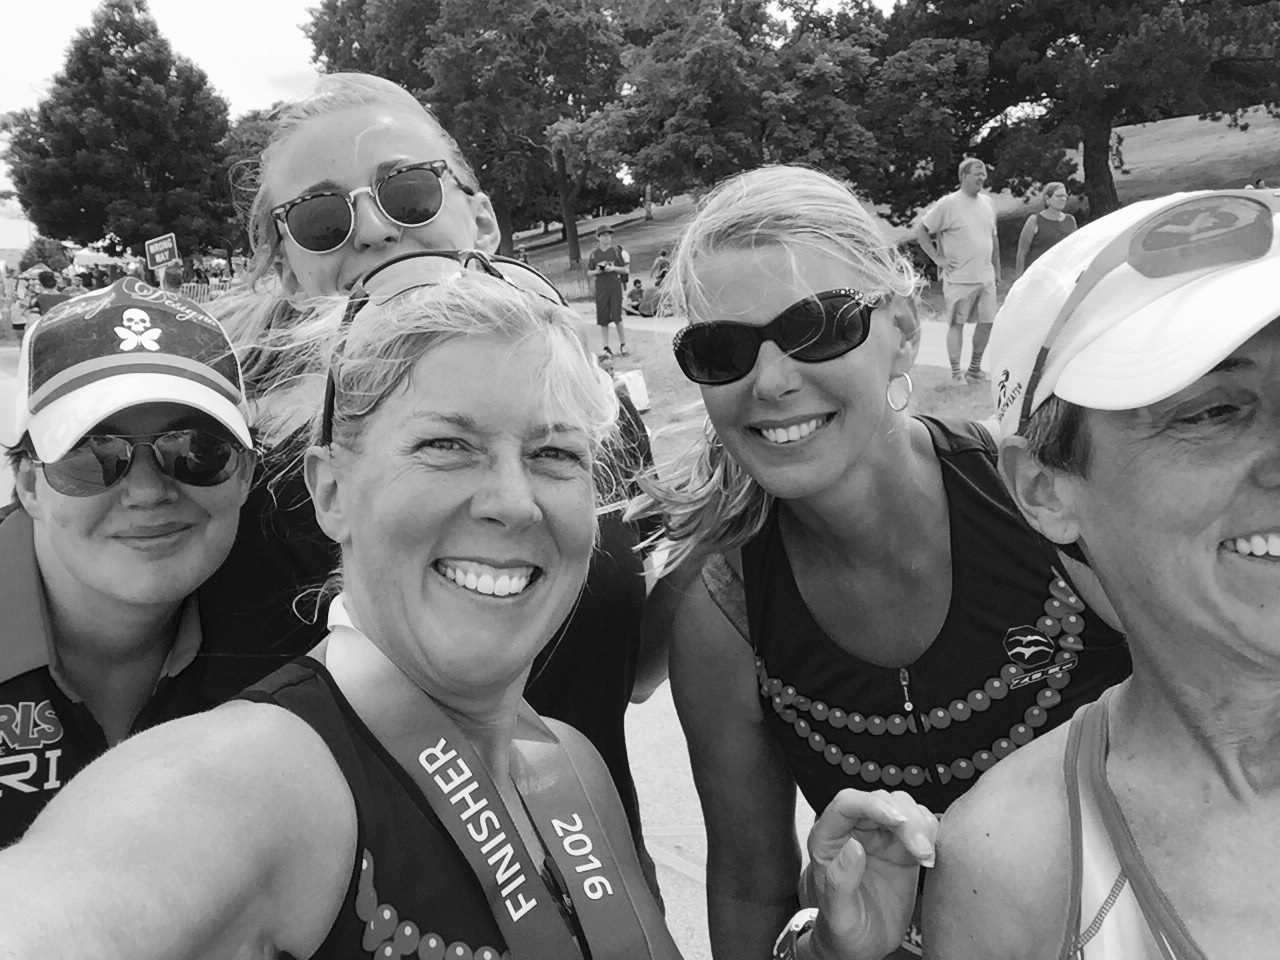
(1024, 244)
(747, 794)
(204, 837)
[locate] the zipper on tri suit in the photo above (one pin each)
(904, 679)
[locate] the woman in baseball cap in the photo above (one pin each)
(1138, 380)
(132, 456)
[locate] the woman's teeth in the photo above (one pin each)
(1257, 545)
(797, 431)
(490, 581)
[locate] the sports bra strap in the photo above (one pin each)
(1071, 773)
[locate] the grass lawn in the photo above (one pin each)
(675, 413)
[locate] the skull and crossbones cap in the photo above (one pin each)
(125, 345)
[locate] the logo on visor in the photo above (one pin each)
(136, 330)
(1006, 397)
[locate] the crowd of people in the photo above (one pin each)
(326, 600)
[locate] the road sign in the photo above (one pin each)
(162, 250)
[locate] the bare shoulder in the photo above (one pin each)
(1001, 886)
(216, 816)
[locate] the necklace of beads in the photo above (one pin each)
(1062, 622)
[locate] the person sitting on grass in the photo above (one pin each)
(635, 297)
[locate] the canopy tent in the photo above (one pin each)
(92, 258)
(33, 271)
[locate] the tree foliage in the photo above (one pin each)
(1089, 65)
(126, 143)
(43, 250)
(733, 84)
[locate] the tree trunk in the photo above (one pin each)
(568, 207)
(648, 201)
(1099, 184)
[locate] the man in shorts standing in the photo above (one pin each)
(608, 263)
(959, 235)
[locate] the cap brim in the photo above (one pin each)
(61, 424)
(1174, 341)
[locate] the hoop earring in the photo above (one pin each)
(888, 393)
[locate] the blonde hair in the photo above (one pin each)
(373, 357)
(707, 501)
(257, 306)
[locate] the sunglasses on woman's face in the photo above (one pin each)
(818, 328)
(409, 196)
(197, 458)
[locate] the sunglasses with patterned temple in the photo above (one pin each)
(425, 268)
(1202, 233)
(818, 328)
(408, 196)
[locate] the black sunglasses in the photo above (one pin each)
(1220, 229)
(820, 327)
(426, 268)
(197, 458)
(408, 196)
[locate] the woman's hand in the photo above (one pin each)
(865, 850)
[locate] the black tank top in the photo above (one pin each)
(411, 891)
(1016, 656)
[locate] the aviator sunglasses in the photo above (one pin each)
(426, 268)
(818, 328)
(408, 196)
(197, 458)
(1221, 229)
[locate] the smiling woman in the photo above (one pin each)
(1150, 823)
(390, 793)
(853, 600)
(132, 462)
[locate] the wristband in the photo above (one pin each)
(785, 946)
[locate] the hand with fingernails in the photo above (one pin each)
(865, 851)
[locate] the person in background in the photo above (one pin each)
(851, 597)
(1044, 228)
(132, 456)
(958, 233)
(609, 264)
(48, 295)
(171, 278)
(1149, 438)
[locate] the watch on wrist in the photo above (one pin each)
(784, 948)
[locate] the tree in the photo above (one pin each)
(924, 106)
(1089, 65)
(734, 84)
(126, 141)
(241, 152)
(43, 250)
